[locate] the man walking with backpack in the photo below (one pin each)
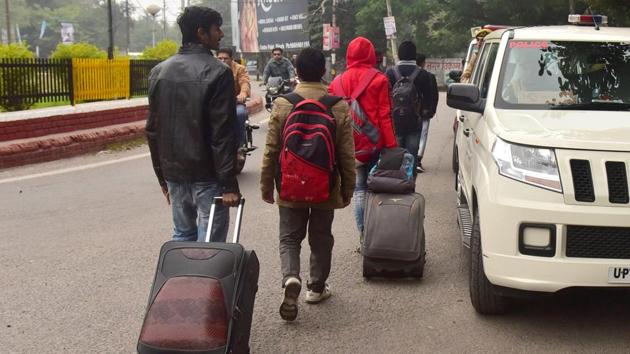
(427, 113)
(367, 91)
(411, 92)
(309, 142)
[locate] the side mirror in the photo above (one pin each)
(465, 97)
(455, 75)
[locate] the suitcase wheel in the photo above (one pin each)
(368, 271)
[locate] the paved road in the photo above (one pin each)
(78, 252)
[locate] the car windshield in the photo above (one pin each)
(565, 75)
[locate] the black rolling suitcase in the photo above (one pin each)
(202, 298)
(393, 239)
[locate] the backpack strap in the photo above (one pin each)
(330, 101)
(293, 98)
(363, 84)
(397, 74)
(415, 74)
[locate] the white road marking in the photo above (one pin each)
(84, 167)
(73, 169)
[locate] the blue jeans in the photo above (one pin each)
(410, 142)
(358, 197)
(424, 134)
(241, 117)
(191, 207)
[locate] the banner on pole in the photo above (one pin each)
(326, 44)
(67, 33)
(390, 27)
(331, 38)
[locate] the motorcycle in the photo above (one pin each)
(247, 147)
(276, 86)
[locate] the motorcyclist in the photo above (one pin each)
(242, 91)
(279, 66)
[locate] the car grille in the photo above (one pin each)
(617, 182)
(582, 180)
(598, 242)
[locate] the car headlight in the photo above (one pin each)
(528, 164)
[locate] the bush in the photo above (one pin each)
(13, 81)
(15, 51)
(162, 50)
(78, 50)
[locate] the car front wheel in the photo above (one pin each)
(483, 295)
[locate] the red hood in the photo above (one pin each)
(361, 53)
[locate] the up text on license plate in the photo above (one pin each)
(619, 275)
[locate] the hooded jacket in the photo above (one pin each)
(375, 100)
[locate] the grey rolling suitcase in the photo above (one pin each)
(393, 240)
(202, 298)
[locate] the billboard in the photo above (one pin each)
(67, 33)
(266, 24)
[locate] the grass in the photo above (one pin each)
(50, 104)
(126, 145)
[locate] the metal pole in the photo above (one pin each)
(128, 25)
(153, 27)
(183, 4)
(110, 28)
(164, 18)
(8, 19)
(333, 55)
(571, 6)
(393, 39)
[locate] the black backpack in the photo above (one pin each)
(405, 101)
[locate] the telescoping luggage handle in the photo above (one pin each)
(237, 225)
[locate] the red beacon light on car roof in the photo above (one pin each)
(589, 20)
(494, 27)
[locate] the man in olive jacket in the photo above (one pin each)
(296, 217)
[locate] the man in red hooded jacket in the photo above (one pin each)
(375, 103)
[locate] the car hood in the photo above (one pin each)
(585, 130)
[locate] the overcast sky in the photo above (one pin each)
(173, 7)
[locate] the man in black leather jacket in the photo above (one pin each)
(192, 128)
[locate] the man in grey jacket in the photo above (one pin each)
(192, 128)
(278, 66)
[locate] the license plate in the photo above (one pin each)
(619, 275)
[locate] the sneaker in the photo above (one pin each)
(314, 298)
(288, 308)
(419, 168)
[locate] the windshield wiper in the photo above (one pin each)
(594, 106)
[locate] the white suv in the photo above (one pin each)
(543, 161)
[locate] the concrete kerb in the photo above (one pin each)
(85, 136)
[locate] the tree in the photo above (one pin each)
(15, 51)
(162, 50)
(15, 80)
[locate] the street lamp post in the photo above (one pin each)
(7, 13)
(393, 39)
(153, 11)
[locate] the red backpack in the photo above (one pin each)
(307, 157)
(366, 135)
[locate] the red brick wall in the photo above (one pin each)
(63, 146)
(36, 127)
